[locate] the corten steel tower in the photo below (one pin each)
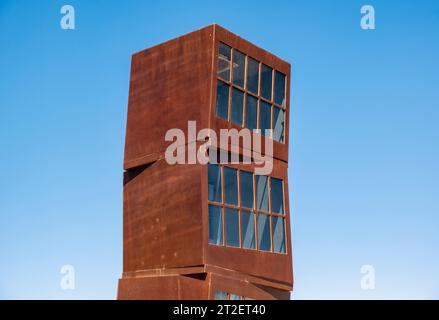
(194, 231)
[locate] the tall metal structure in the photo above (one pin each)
(205, 231)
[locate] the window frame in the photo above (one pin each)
(254, 212)
(258, 96)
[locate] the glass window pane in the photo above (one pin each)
(264, 242)
(214, 182)
(248, 230)
(235, 297)
(278, 234)
(262, 192)
(252, 75)
(220, 295)
(238, 68)
(266, 81)
(215, 225)
(246, 184)
(251, 112)
(222, 100)
(279, 88)
(230, 186)
(264, 116)
(224, 62)
(277, 196)
(232, 227)
(237, 106)
(278, 123)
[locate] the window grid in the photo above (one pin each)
(246, 92)
(254, 211)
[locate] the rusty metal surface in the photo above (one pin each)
(165, 207)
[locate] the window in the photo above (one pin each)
(278, 234)
(224, 62)
(231, 186)
(246, 184)
(277, 196)
(264, 241)
(222, 295)
(248, 229)
(238, 68)
(251, 113)
(279, 89)
(264, 116)
(262, 193)
(252, 75)
(250, 93)
(222, 100)
(215, 225)
(232, 227)
(250, 214)
(266, 81)
(214, 182)
(237, 106)
(278, 124)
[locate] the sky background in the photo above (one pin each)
(364, 156)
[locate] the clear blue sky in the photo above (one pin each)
(364, 151)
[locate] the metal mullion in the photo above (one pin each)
(218, 204)
(257, 115)
(270, 214)
(266, 100)
(271, 120)
(273, 74)
(223, 216)
(224, 81)
(231, 206)
(238, 87)
(255, 220)
(252, 94)
(272, 104)
(283, 199)
(284, 216)
(238, 181)
(244, 111)
(229, 116)
(259, 77)
(239, 227)
(279, 106)
(278, 215)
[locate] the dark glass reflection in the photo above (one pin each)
(230, 186)
(264, 116)
(246, 183)
(220, 295)
(237, 106)
(214, 182)
(262, 192)
(215, 225)
(266, 81)
(232, 227)
(278, 124)
(252, 75)
(238, 68)
(264, 241)
(224, 62)
(222, 100)
(278, 234)
(251, 112)
(277, 196)
(279, 88)
(248, 230)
